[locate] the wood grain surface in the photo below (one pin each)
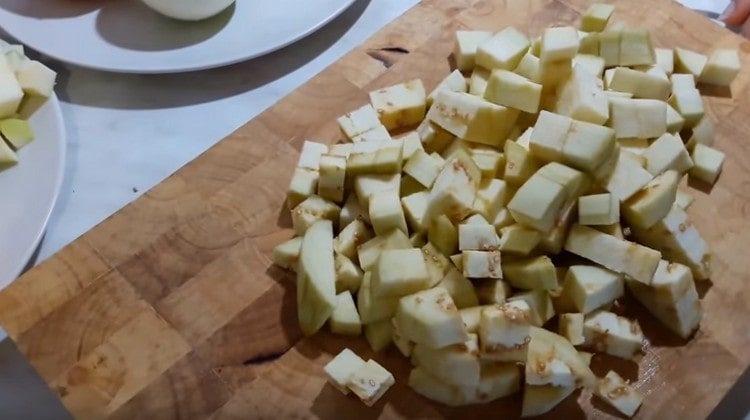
(171, 308)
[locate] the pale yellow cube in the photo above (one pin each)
(589, 287)
(581, 97)
(665, 59)
(431, 318)
(596, 17)
(635, 47)
(304, 183)
(707, 163)
(503, 50)
(370, 382)
(332, 176)
(587, 145)
(530, 68)
(504, 331)
(570, 326)
(478, 81)
(518, 239)
(612, 334)
(512, 90)
(311, 210)
(377, 134)
(593, 64)
(345, 318)
(482, 264)
(399, 272)
(653, 202)
(465, 48)
(477, 237)
(559, 43)
(638, 118)
(341, 368)
(537, 203)
(690, 62)
(423, 168)
(619, 394)
(386, 212)
(535, 273)
(35, 78)
(471, 118)
(309, 157)
(667, 152)
(400, 105)
(358, 121)
(722, 67)
(415, 206)
(433, 137)
(598, 209)
(455, 82)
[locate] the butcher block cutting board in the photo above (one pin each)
(171, 307)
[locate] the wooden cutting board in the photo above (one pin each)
(171, 308)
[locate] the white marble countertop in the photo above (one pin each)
(126, 133)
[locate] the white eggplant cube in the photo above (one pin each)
(588, 145)
(559, 43)
(509, 89)
(341, 368)
(370, 382)
(589, 288)
(638, 118)
(571, 327)
(653, 202)
(537, 203)
(423, 168)
(400, 105)
(345, 318)
(635, 47)
(455, 82)
(431, 318)
(482, 264)
(612, 334)
(690, 62)
(386, 212)
(504, 331)
(667, 152)
(722, 67)
(477, 237)
(503, 50)
(619, 394)
(36, 79)
(472, 118)
(637, 261)
(400, 272)
(707, 163)
(598, 209)
(359, 121)
(465, 48)
(626, 178)
(549, 135)
(304, 183)
(332, 176)
(596, 17)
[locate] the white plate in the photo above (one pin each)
(29, 190)
(126, 36)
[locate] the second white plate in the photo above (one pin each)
(126, 36)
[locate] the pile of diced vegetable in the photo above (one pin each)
(541, 186)
(24, 85)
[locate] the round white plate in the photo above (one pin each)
(126, 36)
(29, 190)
